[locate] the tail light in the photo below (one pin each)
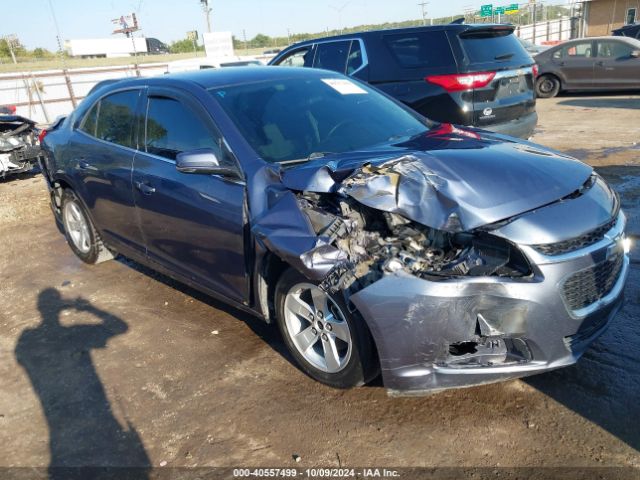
(42, 134)
(535, 70)
(12, 108)
(461, 82)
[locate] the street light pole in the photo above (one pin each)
(207, 13)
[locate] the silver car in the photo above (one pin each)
(377, 240)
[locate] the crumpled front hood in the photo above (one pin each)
(456, 180)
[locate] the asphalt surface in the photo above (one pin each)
(115, 365)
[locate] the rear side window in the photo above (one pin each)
(173, 128)
(422, 49)
(493, 46)
(332, 56)
(576, 50)
(116, 118)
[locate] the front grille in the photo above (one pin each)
(588, 286)
(573, 244)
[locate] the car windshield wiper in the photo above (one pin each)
(312, 156)
(504, 56)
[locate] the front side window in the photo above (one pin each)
(117, 118)
(288, 120)
(172, 128)
(299, 58)
(614, 50)
(332, 56)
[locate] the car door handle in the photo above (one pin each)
(84, 165)
(600, 63)
(145, 188)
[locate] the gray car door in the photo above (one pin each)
(616, 66)
(576, 62)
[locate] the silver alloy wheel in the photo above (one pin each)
(77, 226)
(317, 327)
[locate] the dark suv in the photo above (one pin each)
(476, 75)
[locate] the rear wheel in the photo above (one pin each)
(547, 86)
(330, 343)
(81, 235)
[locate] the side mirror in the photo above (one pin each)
(203, 160)
(635, 54)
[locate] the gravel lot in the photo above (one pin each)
(128, 368)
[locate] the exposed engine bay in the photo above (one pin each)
(371, 243)
(19, 148)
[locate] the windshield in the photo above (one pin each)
(293, 119)
(488, 46)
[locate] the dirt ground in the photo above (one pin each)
(116, 365)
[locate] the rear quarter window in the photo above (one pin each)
(117, 117)
(420, 49)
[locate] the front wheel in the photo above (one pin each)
(547, 86)
(330, 343)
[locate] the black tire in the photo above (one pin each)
(362, 366)
(547, 86)
(97, 251)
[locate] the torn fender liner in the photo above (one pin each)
(286, 231)
(446, 189)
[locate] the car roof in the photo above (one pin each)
(634, 42)
(457, 27)
(213, 78)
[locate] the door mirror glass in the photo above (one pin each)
(203, 160)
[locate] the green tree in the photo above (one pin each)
(184, 46)
(261, 40)
(40, 52)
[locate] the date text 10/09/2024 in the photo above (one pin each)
(315, 473)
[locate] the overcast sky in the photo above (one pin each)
(169, 20)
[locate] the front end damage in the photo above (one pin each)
(19, 148)
(452, 296)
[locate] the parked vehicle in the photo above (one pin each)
(632, 31)
(204, 63)
(376, 239)
(114, 47)
(478, 75)
(531, 47)
(19, 148)
(7, 109)
(589, 64)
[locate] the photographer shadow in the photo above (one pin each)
(84, 434)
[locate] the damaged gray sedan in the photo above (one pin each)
(378, 241)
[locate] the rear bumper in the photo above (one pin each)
(517, 328)
(522, 127)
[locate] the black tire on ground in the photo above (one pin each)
(547, 86)
(362, 366)
(97, 252)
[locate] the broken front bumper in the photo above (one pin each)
(433, 335)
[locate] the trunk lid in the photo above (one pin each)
(510, 94)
